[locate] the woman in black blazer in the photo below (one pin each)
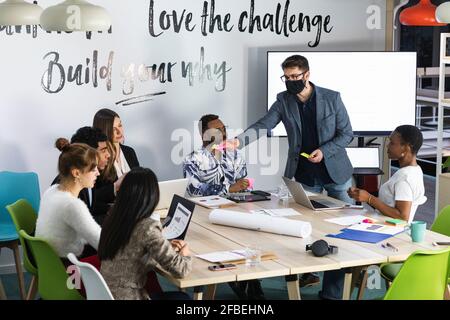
(125, 157)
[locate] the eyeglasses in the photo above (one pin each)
(293, 77)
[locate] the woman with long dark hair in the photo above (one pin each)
(132, 243)
(124, 158)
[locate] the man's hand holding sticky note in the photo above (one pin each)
(251, 183)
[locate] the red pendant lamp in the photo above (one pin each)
(422, 14)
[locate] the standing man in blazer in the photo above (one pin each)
(317, 124)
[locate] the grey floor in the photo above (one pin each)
(274, 289)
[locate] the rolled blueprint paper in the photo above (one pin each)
(261, 222)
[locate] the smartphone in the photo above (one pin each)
(261, 193)
(219, 267)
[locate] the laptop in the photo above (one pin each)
(167, 189)
(365, 160)
(317, 203)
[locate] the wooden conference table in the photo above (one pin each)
(205, 237)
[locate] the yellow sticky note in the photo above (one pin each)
(303, 154)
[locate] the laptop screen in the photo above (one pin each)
(364, 157)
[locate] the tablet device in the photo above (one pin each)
(177, 221)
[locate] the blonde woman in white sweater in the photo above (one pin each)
(64, 220)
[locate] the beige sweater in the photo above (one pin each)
(126, 274)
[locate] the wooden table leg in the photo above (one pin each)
(359, 273)
(210, 292)
(33, 288)
(15, 248)
(198, 292)
(347, 285)
(293, 287)
(2, 292)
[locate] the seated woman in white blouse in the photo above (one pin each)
(400, 196)
(64, 220)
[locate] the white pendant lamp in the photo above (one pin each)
(19, 12)
(443, 12)
(75, 15)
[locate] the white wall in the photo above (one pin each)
(33, 118)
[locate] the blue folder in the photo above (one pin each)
(362, 236)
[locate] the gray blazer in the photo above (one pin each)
(333, 126)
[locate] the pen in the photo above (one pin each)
(441, 243)
(391, 246)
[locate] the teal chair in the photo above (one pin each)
(24, 218)
(440, 225)
(423, 276)
(52, 275)
(15, 186)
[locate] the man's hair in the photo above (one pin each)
(410, 135)
(204, 120)
(296, 61)
(90, 136)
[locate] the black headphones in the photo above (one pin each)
(321, 248)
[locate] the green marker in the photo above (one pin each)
(307, 156)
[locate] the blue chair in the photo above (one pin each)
(15, 186)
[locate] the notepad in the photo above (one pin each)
(212, 202)
(222, 256)
(234, 256)
(397, 222)
(347, 220)
(377, 228)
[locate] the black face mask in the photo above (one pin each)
(295, 86)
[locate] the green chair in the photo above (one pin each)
(15, 186)
(423, 276)
(441, 225)
(52, 276)
(24, 218)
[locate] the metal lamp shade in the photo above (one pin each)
(422, 14)
(19, 12)
(75, 15)
(443, 13)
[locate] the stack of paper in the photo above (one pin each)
(347, 220)
(377, 228)
(222, 256)
(212, 201)
(235, 256)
